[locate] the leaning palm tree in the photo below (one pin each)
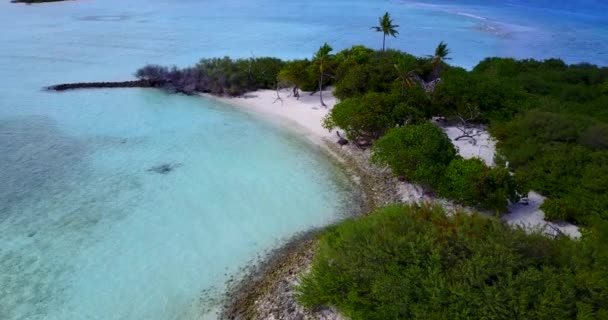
(441, 54)
(321, 59)
(387, 28)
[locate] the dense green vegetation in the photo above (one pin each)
(550, 118)
(551, 123)
(417, 263)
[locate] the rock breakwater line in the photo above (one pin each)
(101, 85)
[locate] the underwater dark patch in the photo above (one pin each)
(33, 153)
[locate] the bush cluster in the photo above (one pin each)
(220, 76)
(550, 120)
(419, 263)
(420, 153)
(556, 141)
(424, 154)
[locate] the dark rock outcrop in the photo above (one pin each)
(102, 85)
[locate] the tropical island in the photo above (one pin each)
(424, 259)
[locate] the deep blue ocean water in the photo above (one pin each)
(87, 231)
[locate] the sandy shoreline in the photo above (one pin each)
(268, 292)
(304, 115)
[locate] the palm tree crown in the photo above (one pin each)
(441, 53)
(407, 75)
(386, 27)
(437, 60)
(322, 55)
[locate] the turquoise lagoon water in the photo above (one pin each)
(87, 231)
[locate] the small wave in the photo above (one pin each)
(103, 18)
(470, 15)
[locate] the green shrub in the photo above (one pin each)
(360, 70)
(559, 209)
(297, 73)
(353, 83)
(462, 180)
(264, 72)
(418, 152)
(604, 87)
(471, 182)
(368, 116)
(406, 262)
(496, 98)
(595, 137)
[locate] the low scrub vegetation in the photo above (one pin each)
(407, 262)
(219, 76)
(424, 154)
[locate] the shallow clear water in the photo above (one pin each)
(87, 231)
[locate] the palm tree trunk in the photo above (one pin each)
(321, 89)
(383, 41)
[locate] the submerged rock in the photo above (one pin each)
(164, 168)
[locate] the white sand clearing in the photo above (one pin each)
(529, 215)
(483, 146)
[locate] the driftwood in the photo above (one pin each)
(468, 132)
(557, 231)
(101, 85)
(363, 143)
(278, 95)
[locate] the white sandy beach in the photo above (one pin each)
(305, 115)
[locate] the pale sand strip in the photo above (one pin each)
(305, 115)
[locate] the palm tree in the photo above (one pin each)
(441, 54)
(387, 28)
(407, 76)
(321, 59)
